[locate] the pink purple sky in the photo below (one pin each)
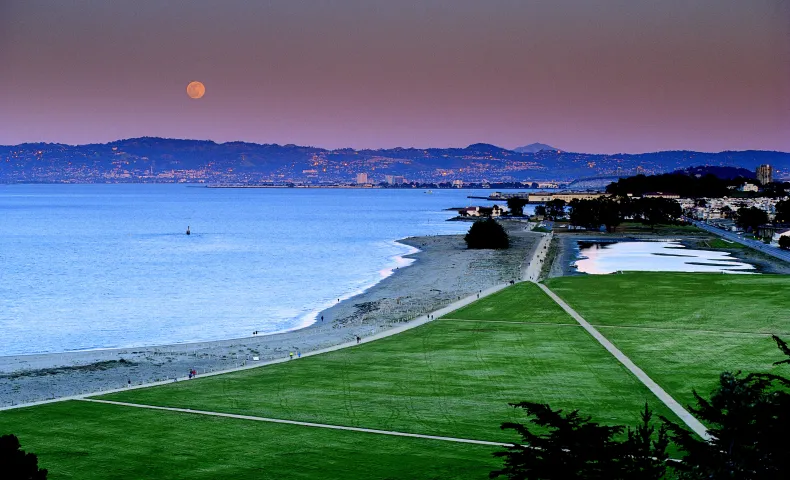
(591, 76)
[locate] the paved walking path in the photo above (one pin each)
(535, 265)
(303, 424)
(659, 392)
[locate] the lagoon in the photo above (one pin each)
(658, 256)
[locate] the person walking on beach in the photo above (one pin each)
(292, 355)
(129, 383)
(358, 339)
(298, 354)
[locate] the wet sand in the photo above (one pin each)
(443, 271)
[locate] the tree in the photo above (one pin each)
(571, 446)
(782, 211)
(516, 205)
(750, 218)
(487, 234)
(15, 464)
(555, 208)
(654, 211)
(748, 418)
(784, 242)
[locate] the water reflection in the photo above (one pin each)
(663, 256)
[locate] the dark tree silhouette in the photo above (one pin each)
(15, 464)
(565, 446)
(749, 420)
(487, 234)
(782, 211)
(784, 242)
(750, 218)
(555, 209)
(516, 206)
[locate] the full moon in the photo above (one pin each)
(196, 90)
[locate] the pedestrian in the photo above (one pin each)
(322, 318)
(190, 374)
(358, 339)
(292, 355)
(298, 354)
(129, 383)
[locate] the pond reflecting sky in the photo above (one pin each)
(664, 256)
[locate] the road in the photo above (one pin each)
(733, 237)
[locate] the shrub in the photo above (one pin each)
(487, 234)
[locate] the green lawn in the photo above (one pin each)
(682, 360)
(79, 440)
(691, 301)
(688, 327)
(723, 244)
(451, 377)
(523, 302)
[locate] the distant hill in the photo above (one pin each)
(150, 159)
(724, 173)
(533, 148)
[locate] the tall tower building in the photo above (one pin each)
(765, 174)
(362, 178)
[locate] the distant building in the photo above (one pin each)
(458, 183)
(543, 197)
(394, 179)
(673, 196)
(362, 178)
(749, 187)
(494, 211)
(765, 174)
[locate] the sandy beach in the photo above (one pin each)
(443, 271)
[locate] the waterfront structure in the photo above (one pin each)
(543, 197)
(765, 174)
(495, 211)
(362, 178)
(749, 187)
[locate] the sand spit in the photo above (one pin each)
(443, 272)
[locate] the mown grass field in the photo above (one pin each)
(452, 377)
(79, 440)
(684, 329)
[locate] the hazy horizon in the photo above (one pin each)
(604, 77)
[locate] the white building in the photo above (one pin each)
(362, 178)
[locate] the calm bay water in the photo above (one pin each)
(101, 266)
(664, 256)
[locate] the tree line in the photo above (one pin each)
(611, 212)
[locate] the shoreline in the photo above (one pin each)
(442, 271)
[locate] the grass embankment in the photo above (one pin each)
(452, 377)
(683, 329)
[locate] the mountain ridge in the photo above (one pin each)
(166, 159)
